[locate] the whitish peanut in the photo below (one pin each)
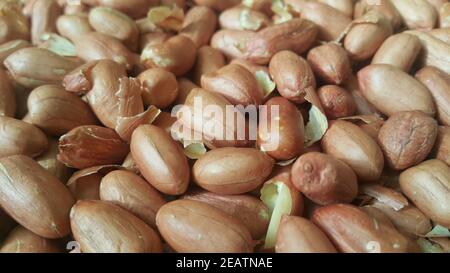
(208, 60)
(160, 159)
(115, 23)
(243, 18)
(299, 235)
(160, 87)
(248, 209)
(427, 185)
(416, 14)
(352, 230)
(176, 55)
(232, 170)
(43, 18)
(199, 25)
(56, 111)
(33, 67)
(33, 197)
(18, 137)
(293, 76)
(183, 222)
(442, 34)
(336, 101)
(285, 141)
(330, 63)
(444, 15)
(407, 138)
(21, 240)
(297, 35)
(378, 81)
(400, 50)
(91, 145)
(101, 227)
(438, 83)
(235, 83)
(349, 143)
(324, 179)
(131, 192)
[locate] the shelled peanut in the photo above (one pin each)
(225, 126)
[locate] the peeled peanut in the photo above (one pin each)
(297, 35)
(43, 18)
(416, 14)
(196, 227)
(232, 170)
(427, 185)
(101, 227)
(18, 137)
(442, 146)
(330, 63)
(199, 25)
(400, 50)
(208, 60)
(243, 18)
(349, 143)
(33, 197)
(293, 76)
(7, 96)
(336, 101)
(407, 138)
(21, 240)
(56, 111)
(324, 179)
(90, 145)
(299, 235)
(283, 136)
(160, 159)
(33, 67)
(330, 21)
(116, 24)
(232, 43)
(367, 35)
(235, 83)
(176, 55)
(132, 193)
(352, 230)
(248, 209)
(378, 81)
(160, 87)
(438, 83)
(73, 26)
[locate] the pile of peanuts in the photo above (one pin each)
(359, 160)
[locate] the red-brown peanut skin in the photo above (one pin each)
(293, 75)
(131, 192)
(6, 224)
(195, 227)
(442, 145)
(176, 55)
(91, 145)
(299, 235)
(297, 35)
(354, 231)
(218, 5)
(232, 170)
(231, 42)
(438, 83)
(160, 87)
(19, 137)
(248, 209)
(160, 159)
(209, 60)
(407, 138)
(330, 63)
(21, 240)
(349, 143)
(199, 25)
(7, 96)
(391, 90)
(324, 179)
(34, 198)
(285, 141)
(428, 187)
(56, 111)
(235, 83)
(102, 227)
(336, 101)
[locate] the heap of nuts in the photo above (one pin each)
(354, 157)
